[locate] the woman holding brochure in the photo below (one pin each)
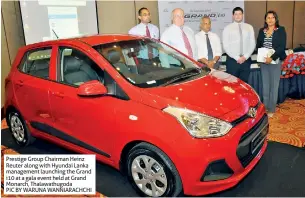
(271, 40)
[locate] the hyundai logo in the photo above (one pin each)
(252, 112)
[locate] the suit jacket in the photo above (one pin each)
(278, 42)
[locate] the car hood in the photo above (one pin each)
(215, 94)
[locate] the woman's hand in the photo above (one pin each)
(268, 60)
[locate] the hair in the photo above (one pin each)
(237, 9)
(140, 11)
(277, 23)
(204, 17)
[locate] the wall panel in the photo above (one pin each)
(254, 14)
(299, 24)
(13, 30)
(19, 24)
(285, 11)
(115, 16)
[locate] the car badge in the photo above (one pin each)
(252, 112)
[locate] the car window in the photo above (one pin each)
(37, 63)
(76, 68)
(148, 63)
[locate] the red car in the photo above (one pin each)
(171, 125)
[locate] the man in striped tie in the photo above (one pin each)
(147, 29)
(180, 36)
(208, 44)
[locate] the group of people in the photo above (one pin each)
(238, 42)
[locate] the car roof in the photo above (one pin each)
(91, 40)
(107, 38)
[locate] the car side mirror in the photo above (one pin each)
(92, 88)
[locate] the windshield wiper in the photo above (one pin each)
(192, 70)
(184, 75)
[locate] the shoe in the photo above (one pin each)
(270, 115)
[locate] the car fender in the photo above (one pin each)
(153, 126)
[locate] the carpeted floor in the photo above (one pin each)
(281, 171)
(288, 123)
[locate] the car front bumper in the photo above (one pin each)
(209, 187)
(211, 165)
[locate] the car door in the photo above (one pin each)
(84, 121)
(31, 86)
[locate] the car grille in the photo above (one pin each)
(251, 142)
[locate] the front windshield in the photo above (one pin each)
(148, 63)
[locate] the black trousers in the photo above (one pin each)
(241, 71)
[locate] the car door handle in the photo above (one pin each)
(19, 83)
(58, 94)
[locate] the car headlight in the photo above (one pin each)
(199, 125)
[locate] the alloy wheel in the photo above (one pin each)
(17, 128)
(149, 175)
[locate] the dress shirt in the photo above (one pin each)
(173, 37)
(201, 43)
(231, 40)
(140, 30)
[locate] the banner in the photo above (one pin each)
(220, 13)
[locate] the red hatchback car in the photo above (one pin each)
(169, 124)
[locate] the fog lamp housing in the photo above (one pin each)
(217, 170)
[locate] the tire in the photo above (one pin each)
(160, 172)
(22, 135)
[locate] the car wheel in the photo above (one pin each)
(152, 173)
(19, 130)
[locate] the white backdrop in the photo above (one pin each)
(220, 13)
(67, 18)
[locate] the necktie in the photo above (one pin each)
(210, 51)
(241, 41)
(187, 44)
(150, 52)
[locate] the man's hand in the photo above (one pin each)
(204, 61)
(211, 64)
(268, 60)
(241, 60)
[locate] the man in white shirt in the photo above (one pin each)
(145, 28)
(208, 44)
(180, 36)
(239, 50)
